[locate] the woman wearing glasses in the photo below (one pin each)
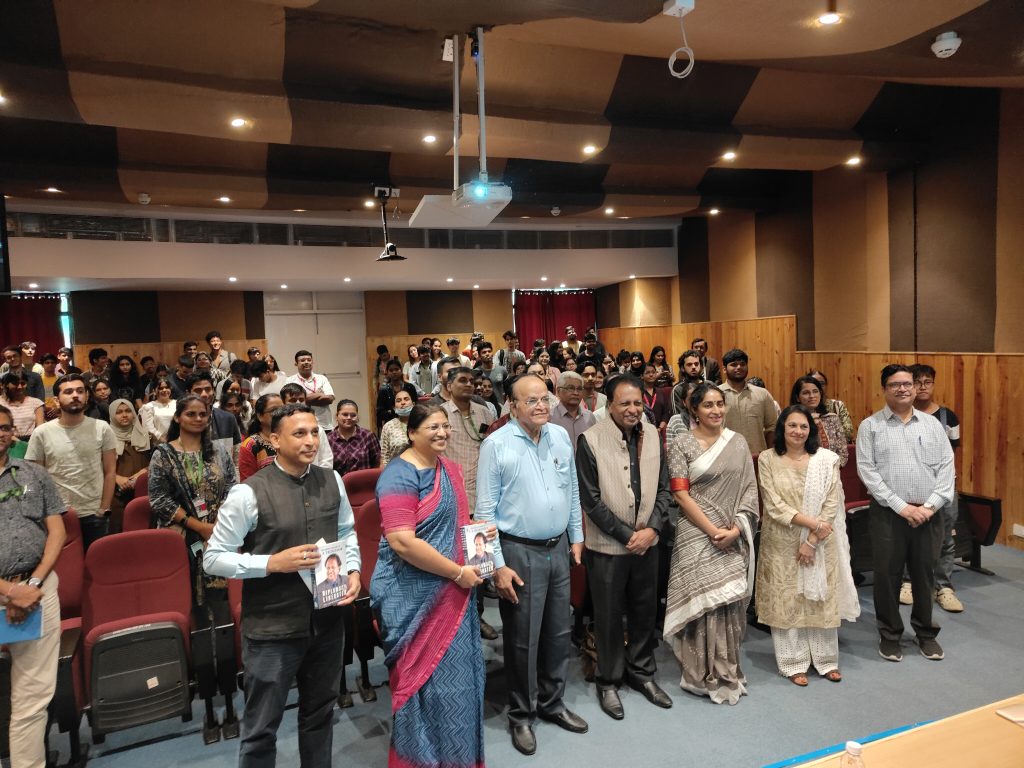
(422, 594)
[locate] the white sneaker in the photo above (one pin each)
(906, 594)
(948, 601)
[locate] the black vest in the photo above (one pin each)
(290, 512)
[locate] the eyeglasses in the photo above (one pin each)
(438, 428)
(6, 428)
(534, 402)
(897, 385)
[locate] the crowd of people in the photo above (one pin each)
(640, 471)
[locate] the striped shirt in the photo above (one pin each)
(905, 463)
(464, 441)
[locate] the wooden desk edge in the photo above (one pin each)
(833, 759)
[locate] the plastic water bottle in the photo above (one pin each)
(851, 756)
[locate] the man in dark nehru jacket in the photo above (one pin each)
(624, 491)
(265, 534)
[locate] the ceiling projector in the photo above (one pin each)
(490, 194)
(472, 205)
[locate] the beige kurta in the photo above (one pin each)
(782, 493)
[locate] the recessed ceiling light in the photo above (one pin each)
(3, 99)
(284, 286)
(33, 285)
(853, 160)
(632, 277)
(223, 199)
(609, 211)
(589, 149)
(524, 217)
(348, 279)
(623, 217)
(543, 278)
(429, 138)
(232, 279)
(53, 190)
(369, 203)
(299, 210)
(449, 279)
(730, 155)
(561, 285)
(831, 15)
(476, 285)
(239, 122)
(714, 211)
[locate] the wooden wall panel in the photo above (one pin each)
(981, 388)
(770, 342)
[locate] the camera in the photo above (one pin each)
(555, 210)
(144, 198)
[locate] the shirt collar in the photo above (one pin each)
(520, 432)
(889, 413)
(11, 462)
(290, 476)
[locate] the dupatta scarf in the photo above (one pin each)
(420, 613)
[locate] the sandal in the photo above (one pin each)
(800, 678)
(834, 676)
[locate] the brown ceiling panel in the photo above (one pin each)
(194, 189)
(461, 15)
(753, 29)
(153, 150)
(368, 126)
(534, 139)
(791, 154)
(623, 177)
(32, 75)
(541, 77)
(172, 39)
(176, 108)
(991, 48)
(804, 100)
(331, 58)
(644, 206)
(651, 146)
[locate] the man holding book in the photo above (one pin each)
(31, 537)
(265, 534)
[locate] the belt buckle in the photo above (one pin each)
(552, 541)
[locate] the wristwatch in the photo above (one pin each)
(929, 507)
(35, 581)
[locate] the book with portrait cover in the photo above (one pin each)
(329, 579)
(479, 551)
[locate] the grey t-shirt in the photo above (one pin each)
(74, 458)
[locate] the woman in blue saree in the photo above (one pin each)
(422, 595)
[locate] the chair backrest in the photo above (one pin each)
(133, 574)
(853, 488)
(368, 532)
(361, 486)
(70, 568)
(138, 515)
(142, 484)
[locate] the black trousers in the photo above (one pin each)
(314, 663)
(624, 586)
(895, 546)
(537, 631)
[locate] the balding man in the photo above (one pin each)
(624, 491)
(526, 484)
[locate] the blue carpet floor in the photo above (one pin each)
(775, 722)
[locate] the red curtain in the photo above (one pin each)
(31, 318)
(544, 315)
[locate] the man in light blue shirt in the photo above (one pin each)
(526, 484)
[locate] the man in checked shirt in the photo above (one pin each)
(906, 463)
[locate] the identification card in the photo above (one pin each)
(201, 511)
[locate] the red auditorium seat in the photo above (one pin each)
(135, 618)
(367, 634)
(69, 695)
(142, 484)
(138, 515)
(858, 526)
